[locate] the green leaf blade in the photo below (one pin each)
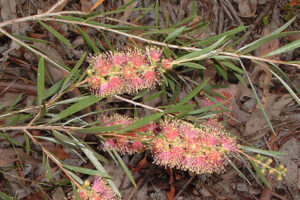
(41, 80)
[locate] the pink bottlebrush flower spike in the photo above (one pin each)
(125, 72)
(99, 191)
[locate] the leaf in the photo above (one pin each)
(261, 175)
(178, 108)
(5, 196)
(96, 5)
(156, 13)
(90, 43)
(30, 39)
(98, 129)
(258, 43)
(196, 54)
(90, 100)
(232, 66)
(221, 71)
(126, 170)
(86, 171)
(72, 72)
(54, 88)
(238, 171)
(100, 168)
(174, 34)
(41, 81)
(258, 99)
(142, 122)
(193, 93)
(56, 34)
(193, 65)
(286, 86)
(76, 195)
(264, 152)
(289, 47)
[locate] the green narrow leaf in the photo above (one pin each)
(199, 53)
(157, 94)
(193, 93)
(90, 100)
(142, 122)
(257, 99)
(178, 108)
(31, 39)
(193, 65)
(90, 43)
(174, 34)
(5, 196)
(100, 168)
(54, 88)
(126, 170)
(99, 129)
(48, 169)
(286, 86)
(289, 47)
(260, 175)
(76, 195)
(232, 66)
(27, 143)
(41, 81)
(72, 72)
(238, 171)
(87, 171)
(264, 152)
(56, 34)
(221, 71)
(156, 13)
(12, 106)
(258, 43)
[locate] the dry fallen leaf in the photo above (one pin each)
(247, 8)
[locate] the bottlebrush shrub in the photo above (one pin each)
(126, 72)
(99, 191)
(200, 150)
(129, 142)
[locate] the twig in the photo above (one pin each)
(35, 17)
(61, 2)
(33, 50)
(232, 55)
(138, 104)
(258, 19)
(229, 5)
(185, 185)
(52, 158)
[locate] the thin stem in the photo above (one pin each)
(33, 50)
(138, 104)
(51, 157)
(261, 163)
(61, 2)
(35, 17)
(233, 55)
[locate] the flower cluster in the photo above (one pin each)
(125, 72)
(175, 144)
(129, 142)
(99, 191)
(200, 150)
